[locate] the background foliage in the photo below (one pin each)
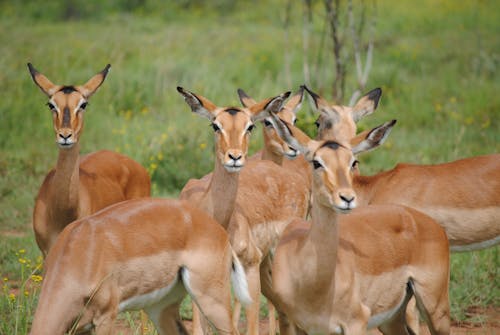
(436, 61)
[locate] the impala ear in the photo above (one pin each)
(369, 140)
(320, 105)
(366, 105)
(245, 100)
(199, 105)
(262, 109)
(43, 82)
(91, 86)
(295, 102)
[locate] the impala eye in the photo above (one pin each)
(215, 127)
(354, 164)
(294, 121)
(316, 123)
(316, 164)
(268, 123)
(83, 105)
(51, 106)
(250, 128)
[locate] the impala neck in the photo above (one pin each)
(65, 191)
(220, 198)
(364, 186)
(268, 153)
(323, 240)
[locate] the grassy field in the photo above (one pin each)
(436, 61)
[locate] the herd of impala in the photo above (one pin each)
(286, 228)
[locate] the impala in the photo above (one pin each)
(254, 204)
(275, 148)
(139, 254)
(342, 274)
(79, 186)
(462, 196)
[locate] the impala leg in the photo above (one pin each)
(286, 326)
(199, 322)
(433, 304)
(252, 310)
(213, 298)
(272, 318)
(266, 283)
(167, 321)
(236, 313)
(412, 318)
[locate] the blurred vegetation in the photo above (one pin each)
(436, 61)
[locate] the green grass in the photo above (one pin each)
(437, 63)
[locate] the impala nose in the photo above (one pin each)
(234, 157)
(64, 137)
(347, 198)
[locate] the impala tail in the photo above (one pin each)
(239, 281)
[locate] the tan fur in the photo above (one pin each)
(462, 196)
(255, 204)
(331, 275)
(102, 264)
(79, 186)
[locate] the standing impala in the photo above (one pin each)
(275, 149)
(79, 186)
(462, 196)
(139, 254)
(342, 274)
(254, 205)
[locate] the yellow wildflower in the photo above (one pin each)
(22, 260)
(12, 297)
(22, 251)
(36, 278)
(203, 145)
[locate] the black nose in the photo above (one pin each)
(347, 199)
(234, 157)
(64, 137)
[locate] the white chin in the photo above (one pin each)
(232, 168)
(343, 210)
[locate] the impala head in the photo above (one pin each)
(67, 104)
(287, 113)
(336, 121)
(232, 125)
(332, 163)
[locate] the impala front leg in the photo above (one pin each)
(252, 310)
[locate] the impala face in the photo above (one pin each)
(333, 164)
(287, 113)
(278, 145)
(336, 121)
(67, 104)
(232, 127)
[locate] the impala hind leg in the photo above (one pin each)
(433, 304)
(213, 297)
(199, 322)
(167, 320)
